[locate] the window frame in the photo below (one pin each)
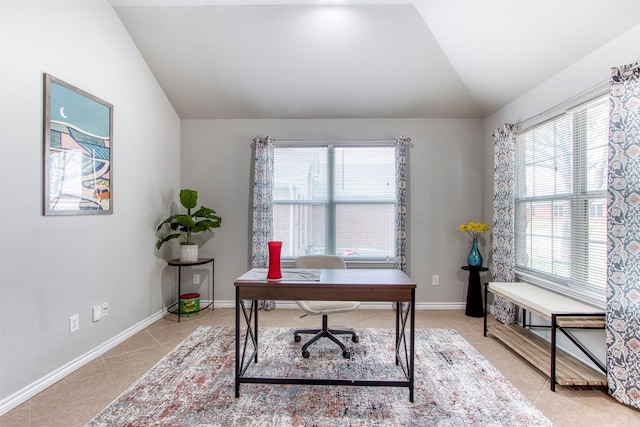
(578, 199)
(332, 204)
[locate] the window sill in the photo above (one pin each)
(351, 264)
(596, 299)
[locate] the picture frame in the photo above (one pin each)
(78, 151)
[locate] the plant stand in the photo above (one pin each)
(180, 264)
(474, 292)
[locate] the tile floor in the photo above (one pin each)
(77, 398)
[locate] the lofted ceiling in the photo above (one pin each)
(363, 59)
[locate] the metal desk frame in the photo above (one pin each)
(335, 285)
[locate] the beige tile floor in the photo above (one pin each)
(77, 398)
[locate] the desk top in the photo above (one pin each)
(316, 277)
(332, 284)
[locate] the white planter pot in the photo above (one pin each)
(188, 253)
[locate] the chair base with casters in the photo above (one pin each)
(319, 307)
(324, 308)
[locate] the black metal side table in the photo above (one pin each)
(177, 263)
(474, 292)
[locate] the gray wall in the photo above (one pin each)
(54, 267)
(446, 183)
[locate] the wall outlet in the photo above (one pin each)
(196, 279)
(435, 280)
(105, 309)
(74, 323)
(97, 312)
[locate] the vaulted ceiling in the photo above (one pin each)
(228, 59)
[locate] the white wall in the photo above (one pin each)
(54, 267)
(446, 174)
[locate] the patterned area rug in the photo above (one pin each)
(193, 385)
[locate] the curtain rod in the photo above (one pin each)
(325, 141)
(562, 105)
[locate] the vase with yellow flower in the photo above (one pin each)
(474, 229)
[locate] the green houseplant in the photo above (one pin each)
(186, 225)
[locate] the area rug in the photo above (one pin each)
(193, 385)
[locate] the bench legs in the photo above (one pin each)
(486, 292)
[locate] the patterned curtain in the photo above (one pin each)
(623, 216)
(503, 251)
(401, 199)
(262, 229)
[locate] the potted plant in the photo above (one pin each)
(186, 225)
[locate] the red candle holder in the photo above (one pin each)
(274, 272)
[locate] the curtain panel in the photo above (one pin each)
(262, 217)
(401, 201)
(503, 250)
(623, 223)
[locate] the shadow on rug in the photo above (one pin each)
(193, 385)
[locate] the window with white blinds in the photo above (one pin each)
(332, 199)
(561, 200)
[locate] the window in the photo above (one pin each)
(560, 201)
(334, 199)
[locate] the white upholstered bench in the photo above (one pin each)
(563, 314)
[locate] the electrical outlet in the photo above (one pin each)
(435, 280)
(74, 323)
(97, 312)
(196, 279)
(105, 309)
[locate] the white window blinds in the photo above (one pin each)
(560, 181)
(333, 199)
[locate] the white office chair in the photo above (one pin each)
(324, 308)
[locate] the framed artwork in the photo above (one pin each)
(78, 151)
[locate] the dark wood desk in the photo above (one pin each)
(334, 285)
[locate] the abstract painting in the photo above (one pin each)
(78, 151)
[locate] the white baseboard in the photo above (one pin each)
(39, 385)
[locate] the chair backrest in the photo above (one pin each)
(320, 261)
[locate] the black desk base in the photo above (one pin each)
(335, 284)
(474, 292)
(247, 351)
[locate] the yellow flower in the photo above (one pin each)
(474, 229)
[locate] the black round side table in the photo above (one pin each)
(474, 292)
(177, 263)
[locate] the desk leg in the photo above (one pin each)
(406, 362)
(255, 326)
(238, 308)
(398, 308)
(248, 343)
(413, 336)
